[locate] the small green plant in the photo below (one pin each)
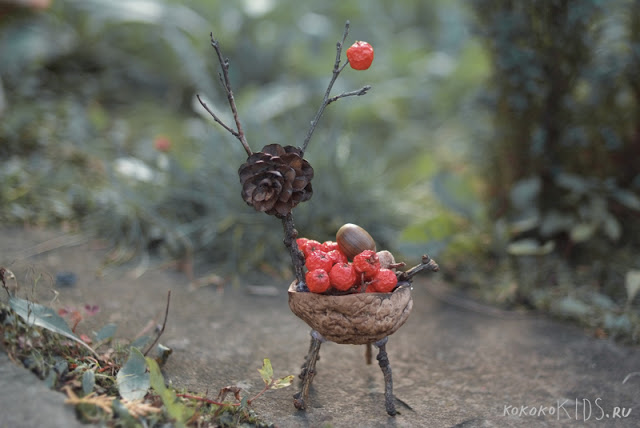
(115, 384)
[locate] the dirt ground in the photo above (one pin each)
(455, 363)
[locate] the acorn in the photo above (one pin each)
(352, 240)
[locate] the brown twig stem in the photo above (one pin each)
(164, 324)
(297, 258)
(226, 83)
(206, 400)
(427, 264)
(267, 386)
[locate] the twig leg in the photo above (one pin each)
(301, 399)
(383, 361)
(368, 354)
(306, 357)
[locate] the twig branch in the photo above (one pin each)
(164, 324)
(361, 91)
(216, 118)
(226, 83)
(301, 398)
(427, 264)
(219, 402)
(206, 400)
(326, 100)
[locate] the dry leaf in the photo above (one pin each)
(101, 401)
(138, 408)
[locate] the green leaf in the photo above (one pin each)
(632, 284)
(141, 342)
(133, 379)
(530, 247)
(573, 183)
(51, 380)
(155, 376)
(612, 227)
(47, 318)
(571, 308)
(524, 193)
(126, 419)
(582, 232)
(174, 408)
(88, 382)
(555, 222)
(627, 198)
(283, 382)
(106, 332)
(266, 371)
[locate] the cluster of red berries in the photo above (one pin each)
(329, 269)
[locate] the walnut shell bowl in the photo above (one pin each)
(355, 319)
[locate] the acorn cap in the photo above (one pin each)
(356, 319)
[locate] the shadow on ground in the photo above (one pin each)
(455, 363)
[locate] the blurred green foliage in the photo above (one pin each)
(93, 84)
(490, 123)
(562, 158)
(566, 108)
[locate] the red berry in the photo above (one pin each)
(317, 280)
(301, 242)
(367, 262)
(310, 246)
(319, 260)
(162, 144)
(360, 55)
(342, 276)
(330, 246)
(337, 256)
(384, 281)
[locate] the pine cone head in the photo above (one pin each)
(276, 179)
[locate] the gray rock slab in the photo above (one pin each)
(455, 363)
(25, 401)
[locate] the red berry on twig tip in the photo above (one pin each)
(360, 55)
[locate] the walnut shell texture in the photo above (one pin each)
(355, 319)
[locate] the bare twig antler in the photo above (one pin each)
(226, 83)
(327, 100)
(290, 233)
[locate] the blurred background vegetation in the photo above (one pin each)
(500, 137)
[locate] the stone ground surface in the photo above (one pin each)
(455, 363)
